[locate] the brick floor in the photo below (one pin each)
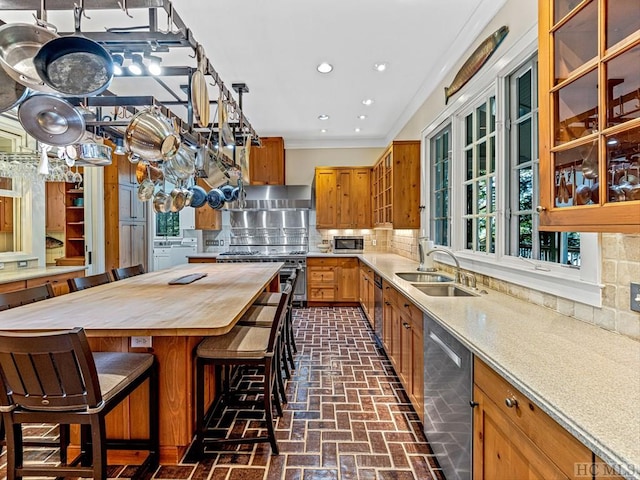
(348, 417)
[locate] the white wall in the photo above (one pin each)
(300, 164)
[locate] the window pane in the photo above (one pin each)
(576, 42)
(623, 166)
(623, 18)
(469, 234)
(525, 245)
(492, 114)
(481, 120)
(492, 234)
(577, 108)
(469, 164)
(623, 78)
(549, 246)
(492, 194)
(481, 154)
(492, 154)
(525, 188)
(562, 7)
(481, 245)
(524, 141)
(469, 129)
(482, 196)
(470, 199)
(524, 94)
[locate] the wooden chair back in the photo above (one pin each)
(81, 283)
(280, 315)
(48, 371)
(126, 272)
(24, 296)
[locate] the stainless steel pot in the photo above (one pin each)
(92, 155)
(19, 44)
(11, 92)
(162, 202)
(152, 136)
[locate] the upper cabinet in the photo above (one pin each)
(343, 197)
(396, 186)
(266, 163)
(589, 90)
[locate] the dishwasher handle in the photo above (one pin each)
(445, 348)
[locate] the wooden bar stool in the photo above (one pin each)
(126, 272)
(242, 346)
(80, 283)
(53, 377)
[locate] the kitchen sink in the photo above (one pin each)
(443, 290)
(424, 277)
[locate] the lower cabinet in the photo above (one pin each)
(332, 280)
(403, 341)
(366, 292)
(133, 244)
(513, 438)
(58, 282)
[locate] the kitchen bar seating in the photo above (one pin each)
(243, 346)
(25, 296)
(126, 272)
(80, 283)
(53, 377)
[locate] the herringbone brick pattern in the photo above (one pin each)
(348, 417)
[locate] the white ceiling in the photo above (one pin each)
(274, 47)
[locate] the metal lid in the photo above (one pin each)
(51, 120)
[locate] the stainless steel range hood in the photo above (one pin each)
(271, 197)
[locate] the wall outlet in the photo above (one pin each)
(210, 243)
(373, 242)
(635, 297)
(141, 342)
(23, 264)
(222, 243)
(216, 243)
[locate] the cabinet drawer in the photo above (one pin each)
(322, 294)
(321, 262)
(410, 310)
(321, 275)
(12, 286)
(556, 442)
(389, 293)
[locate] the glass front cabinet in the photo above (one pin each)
(589, 77)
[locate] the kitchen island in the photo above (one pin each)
(170, 319)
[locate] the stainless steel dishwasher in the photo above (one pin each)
(448, 391)
(377, 308)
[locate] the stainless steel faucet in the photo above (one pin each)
(455, 259)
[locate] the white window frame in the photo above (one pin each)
(581, 285)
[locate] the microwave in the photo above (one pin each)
(348, 244)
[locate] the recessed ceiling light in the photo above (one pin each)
(357, 130)
(361, 117)
(380, 67)
(324, 130)
(323, 117)
(324, 67)
(367, 101)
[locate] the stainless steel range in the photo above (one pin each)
(277, 235)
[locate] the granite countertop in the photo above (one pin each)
(35, 272)
(204, 255)
(586, 378)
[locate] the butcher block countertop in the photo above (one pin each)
(146, 305)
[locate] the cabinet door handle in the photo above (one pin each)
(387, 303)
(406, 325)
(511, 402)
(406, 305)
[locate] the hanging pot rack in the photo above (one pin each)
(134, 40)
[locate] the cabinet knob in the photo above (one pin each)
(473, 404)
(540, 209)
(406, 305)
(406, 325)
(511, 402)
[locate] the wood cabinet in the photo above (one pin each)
(126, 217)
(6, 214)
(55, 212)
(402, 338)
(343, 197)
(74, 247)
(332, 280)
(395, 185)
(266, 163)
(206, 218)
(513, 438)
(367, 293)
(589, 116)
